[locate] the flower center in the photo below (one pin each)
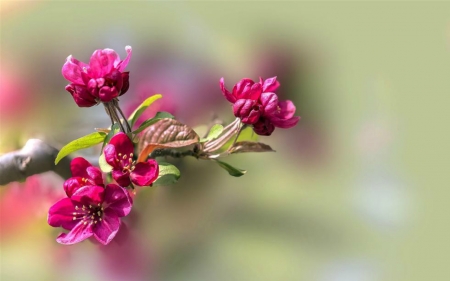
(127, 162)
(89, 214)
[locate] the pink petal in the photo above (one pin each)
(263, 127)
(269, 102)
(240, 86)
(88, 195)
(95, 175)
(285, 123)
(72, 69)
(287, 109)
(61, 214)
(271, 84)
(71, 185)
(107, 228)
(79, 233)
(106, 94)
(255, 92)
(102, 62)
(123, 64)
(111, 156)
(225, 92)
(122, 178)
(122, 144)
(145, 173)
(125, 83)
(247, 110)
(78, 167)
(81, 96)
(118, 200)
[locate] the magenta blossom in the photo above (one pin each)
(83, 173)
(102, 80)
(256, 104)
(91, 211)
(119, 154)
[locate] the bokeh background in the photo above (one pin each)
(357, 191)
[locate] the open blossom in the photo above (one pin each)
(257, 104)
(102, 80)
(83, 174)
(90, 211)
(119, 154)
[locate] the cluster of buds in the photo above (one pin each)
(93, 207)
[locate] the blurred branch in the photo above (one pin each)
(34, 158)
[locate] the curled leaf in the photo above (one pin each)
(166, 133)
(248, 146)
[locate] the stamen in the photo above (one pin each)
(99, 213)
(124, 157)
(85, 222)
(120, 154)
(100, 219)
(131, 154)
(76, 207)
(74, 218)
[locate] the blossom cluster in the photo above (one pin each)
(257, 104)
(93, 208)
(94, 205)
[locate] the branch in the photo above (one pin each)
(34, 158)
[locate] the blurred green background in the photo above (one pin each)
(357, 191)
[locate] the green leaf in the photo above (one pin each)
(235, 172)
(158, 116)
(141, 108)
(83, 142)
(104, 166)
(215, 131)
(168, 174)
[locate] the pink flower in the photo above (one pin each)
(256, 104)
(102, 80)
(119, 154)
(91, 211)
(83, 173)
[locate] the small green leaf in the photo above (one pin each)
(215, 131)
(158, 116)
(83, 142)
(104, 166)
(235, 172)
(168, 174)
(141, 108)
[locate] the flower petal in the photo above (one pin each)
(263, 127)
(122, 178)
(81, 95)
(78, 167)
(269, 102)
(71, 185)
(61, 214)
(106, 94)
(240, 86)
(287, 109)
(111, 156)
(247, 110)
(122, 143)
(89, 195)
(102, 62)
(271, 84)
(285, 123)
(80, 232)
(225, 92)
(123, 64)
(107, 228)
(145, 173)
(72, 69)
(118, 200)
(95, 175)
